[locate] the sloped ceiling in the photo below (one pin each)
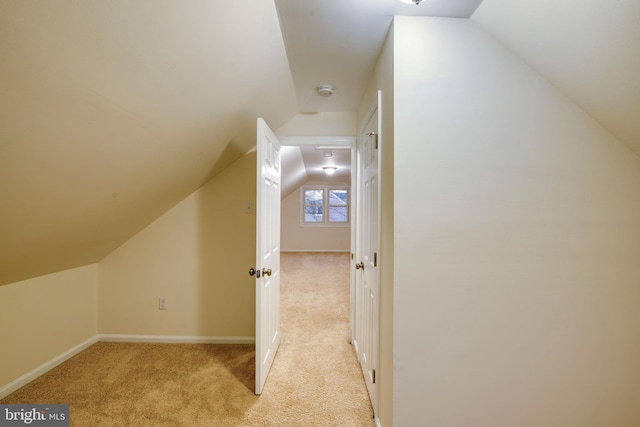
(304, 164)
(294, 173)
(589, 49)
(113, 111)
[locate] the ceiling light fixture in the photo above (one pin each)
(333, 147)
(329, 170)
(416, 2)
(325, 90)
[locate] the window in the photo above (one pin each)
(325, 205)
(314, 205)
(338, 205)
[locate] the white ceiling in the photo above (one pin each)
(317, 157)
(337, 42)
(590, 49)
(304, 164)
(113, 111)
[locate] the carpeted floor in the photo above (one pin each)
(315, 379)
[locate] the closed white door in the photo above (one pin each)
(267, 270)
(368, 231)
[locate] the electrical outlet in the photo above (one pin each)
(248, 209)
(162, 303)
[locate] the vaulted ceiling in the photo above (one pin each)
(590, 49)
(113, 111)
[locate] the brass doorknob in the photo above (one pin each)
(266, 272)
(252, 271)
(360, 265)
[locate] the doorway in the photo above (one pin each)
(312, 210)
(332, 209)
(319, 152)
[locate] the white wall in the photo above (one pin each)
(517, 244)
(197, 255)
(44, 317)
(296, 237)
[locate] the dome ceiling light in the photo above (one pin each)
(329, 170)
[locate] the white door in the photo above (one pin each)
(267, 270)
(368, 230)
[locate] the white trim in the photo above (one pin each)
(378, 423)
(175, 339)
(343, 251)
(45, 367)
(348, 141)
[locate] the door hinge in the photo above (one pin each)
(374, 376)
(375, 135)
(375, 259)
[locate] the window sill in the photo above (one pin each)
(324, 225)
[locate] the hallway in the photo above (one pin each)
(315, 376)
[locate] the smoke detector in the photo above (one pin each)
(325, 90)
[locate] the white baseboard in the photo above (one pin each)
(175, 339)
(343, 251)
(45, 367)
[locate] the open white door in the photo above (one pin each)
(368, 232)
(267, 269)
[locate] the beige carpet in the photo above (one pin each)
(315, 379)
